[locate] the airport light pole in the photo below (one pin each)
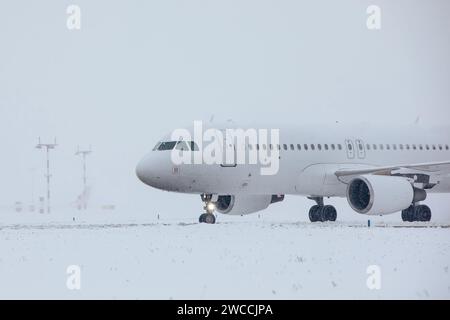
(47, 147)
(84, 153)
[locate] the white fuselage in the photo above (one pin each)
(304, 170)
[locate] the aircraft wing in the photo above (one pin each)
(429, 168)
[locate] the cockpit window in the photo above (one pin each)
(156, 146)
(169, 145)
(178, 145)
(181, 145)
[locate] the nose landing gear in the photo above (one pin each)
(209, 206)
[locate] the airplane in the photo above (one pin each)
(380, 170)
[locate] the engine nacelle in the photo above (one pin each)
(245, 204)
(378, 195)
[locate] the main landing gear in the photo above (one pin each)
(208, 216)
(320, 212)
(416, 213)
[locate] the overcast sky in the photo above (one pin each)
(138, 69)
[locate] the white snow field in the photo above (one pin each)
(237, 259)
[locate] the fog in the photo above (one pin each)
(138, 69)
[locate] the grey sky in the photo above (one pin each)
(137, 69)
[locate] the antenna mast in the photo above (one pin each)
(47, 147)
(84, 153)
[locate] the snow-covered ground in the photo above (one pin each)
(235, 259)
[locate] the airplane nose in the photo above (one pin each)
(148, 170)
(155, 170)
(145, 170)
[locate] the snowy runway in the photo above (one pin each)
(235, 260)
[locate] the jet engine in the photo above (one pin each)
(245, 204)
(378, 195)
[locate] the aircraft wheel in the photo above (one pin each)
(329, 213)
(314, 213)
(427, 216)
(210, 218)
(422, 213)
(408, 215)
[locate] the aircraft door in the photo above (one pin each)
(361, 150)
(350, 147)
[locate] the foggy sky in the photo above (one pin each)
(138, 69)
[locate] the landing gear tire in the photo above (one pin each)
(422, 213)
(314, 213)
(329, 213)
(208, 218)
(408, 214)
(322, 213)
(417, 213)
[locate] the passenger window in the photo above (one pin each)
(299, 147)
(250, 147)
(374, 147)
(284, 146)
(401, 147)
(326, 146)
(446, 147)
(440, 147)
(407, 147)
(414, 147)
(349, 146)
(434, 147)
(427, 147)
(420, 147)
(279, 147)
(388, 147)
(264, 146)
(368, 146)
(360, 146)
(394, 146)
(319, 146)
(339, 146)
(333, 147)
(257, 146)
(381, 147)
(181, 145)
(305, 146)
(292, 147)
(312, 147)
